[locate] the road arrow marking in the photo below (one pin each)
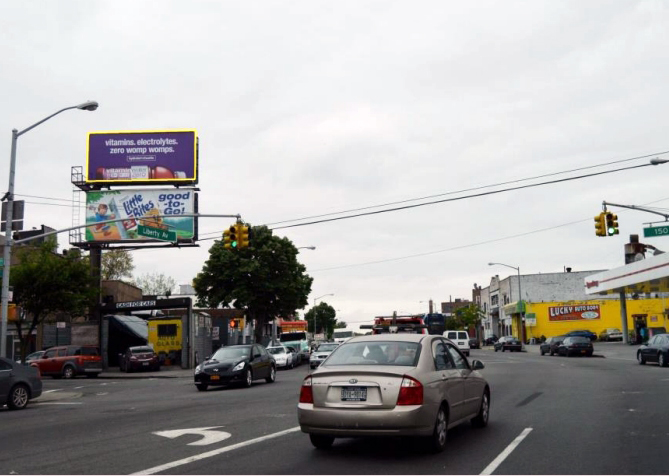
(209, 435)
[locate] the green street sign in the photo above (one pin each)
(156, 233)
(656, 231)
(2, 262)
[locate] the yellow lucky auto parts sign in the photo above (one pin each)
(574, 313)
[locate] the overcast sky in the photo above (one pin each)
(310, 107)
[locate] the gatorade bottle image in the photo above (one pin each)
(138, 172)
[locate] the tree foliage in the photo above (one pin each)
(466, 317)
(340, 325)
(116, 264)
(265, 279)
(325, 319)
(155, 283)
(46, 283)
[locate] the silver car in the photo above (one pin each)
(390, 385)
(321, 353)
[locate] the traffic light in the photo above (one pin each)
(243, 236)
(226, 240)
(600, 224)
(234, 239)
(611, 224)
(233, 324)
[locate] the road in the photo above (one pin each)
(599, 415)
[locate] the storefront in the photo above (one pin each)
(515, 313)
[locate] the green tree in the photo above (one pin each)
(46, 283)
(116, 264)
(340, 325)
(325, 319)
(265, 279)
(155, 283)
(466, 317)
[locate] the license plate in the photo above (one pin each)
(583, 352)
(354, 394)
(215, 377)
(145, 363)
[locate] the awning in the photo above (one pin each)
(517, 307)
(650, 275)
(133, 325)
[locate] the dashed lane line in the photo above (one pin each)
(507, 451)
(209, 454)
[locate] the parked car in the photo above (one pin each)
(459, 338)
(491, 340)
(283, 358)
(582, 333)
(236, 364)
(33, 356)
(550, 345)
(474, 343)
(576, 345)
(611, 334)
(69, 361)
(509, 343)
(18, 384)
(138, 358)
(401, 384)
(656, 350)
(321, 353)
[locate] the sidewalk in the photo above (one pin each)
(168, 371)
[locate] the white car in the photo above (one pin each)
(283, 358)
(321, 353)
(459, 338)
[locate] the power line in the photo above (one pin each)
(46, 198)
(472, 189)
(493, 192)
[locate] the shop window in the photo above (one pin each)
(167, 330)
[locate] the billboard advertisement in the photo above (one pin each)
(142, 157)
(574, 313)
(147, 215)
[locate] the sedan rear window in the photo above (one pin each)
(141, 350)
(375, 353)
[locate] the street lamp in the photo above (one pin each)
(86, 106)
(306, 248)
(316, 299)
(520, 294)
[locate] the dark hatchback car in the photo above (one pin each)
(550, 345)
(576, 346)
(18, 384)
(138, 358)
(509, 343)
(236, 364)
(582, 333)
(474, 343)
(656, 350)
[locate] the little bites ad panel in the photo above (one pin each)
(585, 312)
(142, 157)
(159, 209)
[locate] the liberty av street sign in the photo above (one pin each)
(656, 231)
(156, 233)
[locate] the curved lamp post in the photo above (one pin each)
(316, 299)
(86, 106)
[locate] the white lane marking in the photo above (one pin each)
(102, 393)
(59, 403)
(78, 387)
(209, 454)
(208, 434)
(54, 390)
(507, 451)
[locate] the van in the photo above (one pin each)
(459, 338)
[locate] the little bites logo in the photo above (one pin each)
(574, 313)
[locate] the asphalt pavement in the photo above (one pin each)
(549, 415)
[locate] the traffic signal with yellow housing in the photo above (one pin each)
(243, 236)
(600, 224)
(611, 224)
(226, 240)
(234, 237)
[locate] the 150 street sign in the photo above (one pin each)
(656, 231)
(156, 233)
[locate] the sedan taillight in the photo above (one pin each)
(411, 392)
(306, 392)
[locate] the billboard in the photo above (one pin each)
(142, 157)
(140, 210)
(574, 313)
